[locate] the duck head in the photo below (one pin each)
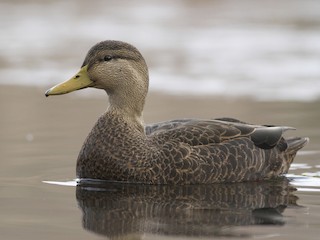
(119, 69)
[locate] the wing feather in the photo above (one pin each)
(202, 132)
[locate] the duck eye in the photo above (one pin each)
(107, 58)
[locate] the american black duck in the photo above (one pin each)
(188, 151)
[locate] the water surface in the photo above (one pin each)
(40, 139)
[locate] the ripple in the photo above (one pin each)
(306, 182)
(71, 183)
(295, 166)
(308, 152)
(316, 174)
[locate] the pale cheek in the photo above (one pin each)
(96, 74)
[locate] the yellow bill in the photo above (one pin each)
(79, 81)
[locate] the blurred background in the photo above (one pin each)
(266, 50)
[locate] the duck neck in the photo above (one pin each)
(127, 96)
(129, 106)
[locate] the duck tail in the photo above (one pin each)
(294, 145)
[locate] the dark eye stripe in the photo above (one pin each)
(107, 58)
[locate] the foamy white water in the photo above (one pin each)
(267, 51)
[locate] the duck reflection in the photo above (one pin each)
(126, 210)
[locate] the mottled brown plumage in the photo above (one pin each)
(187, 151)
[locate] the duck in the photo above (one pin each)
(121, 148)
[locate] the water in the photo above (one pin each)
(41, 137)
(196, 211)
(258, 62)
